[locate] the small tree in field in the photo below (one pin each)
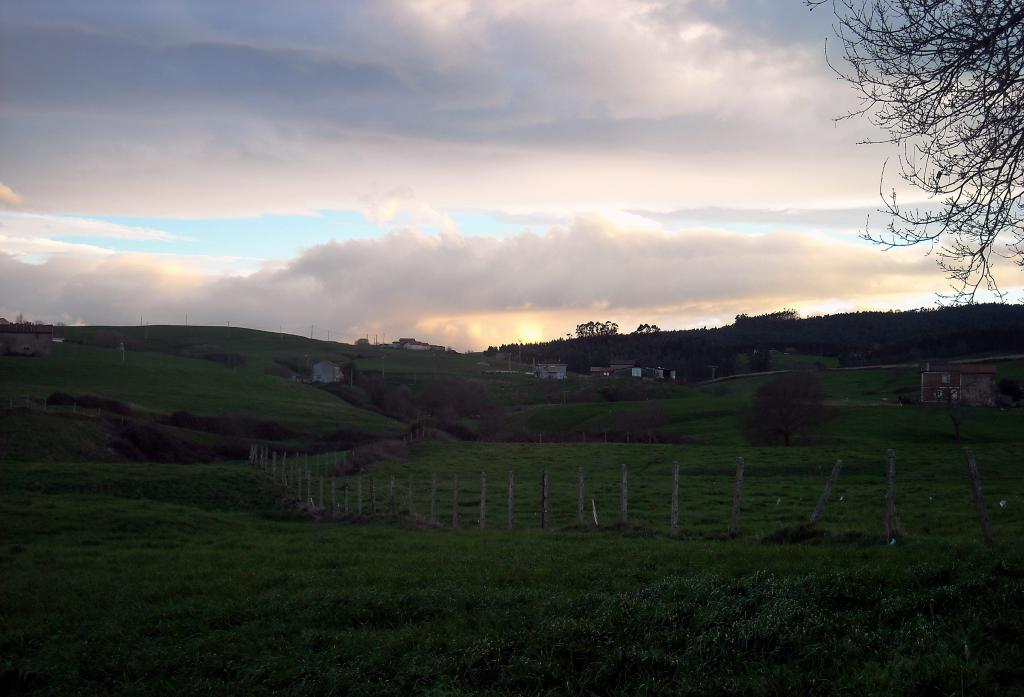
(784, 409)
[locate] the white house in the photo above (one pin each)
(325, 371)
(550, 371)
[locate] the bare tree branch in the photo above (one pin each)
(945, 80)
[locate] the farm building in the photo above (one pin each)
(624, 369)
(325, 371)
(411, 344)
(967, 383)
(550, 371)
(25, 339)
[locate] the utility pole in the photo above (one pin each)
(311, 328)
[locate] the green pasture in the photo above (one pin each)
(143, 579)
(781, 487)
(150, 579)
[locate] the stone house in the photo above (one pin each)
(972, 384)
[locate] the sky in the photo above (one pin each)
(465, 172)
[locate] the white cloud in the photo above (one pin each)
(35, 225)
(206, 110)
(8, 197)
(470, 291)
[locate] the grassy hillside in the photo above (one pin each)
(163, 383)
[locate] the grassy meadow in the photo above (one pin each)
(125, 577)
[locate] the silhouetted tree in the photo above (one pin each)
(945, 80)
(589, 329)
(785, 408)
(647, 329)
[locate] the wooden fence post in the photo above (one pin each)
(826, 492)
(455, 502)
(373, 498)
(412, 506)
(483, 500)
(298, 484)
(359, 496)
(321, 493)
(334, 497)
(737, 495)
(893, 528)
(345, 498)
(511, 499)
(433, 498)
(579, 497)
(284, 465)
(979, 498)
(674, 517)
(544, 500)
(392, 503)
(624, 495)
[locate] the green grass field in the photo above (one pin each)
(146, 579)
(138, 578)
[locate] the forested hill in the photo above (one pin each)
(856, 338)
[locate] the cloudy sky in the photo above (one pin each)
(464, 172)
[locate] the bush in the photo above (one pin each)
(360, 458)
(89, 401)
(231, 426)
(1010, 388)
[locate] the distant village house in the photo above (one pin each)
(550, 371)
(25, 338)
(972, 384)
(326, 372)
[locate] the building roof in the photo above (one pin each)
(983, 368)
(963, 368)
